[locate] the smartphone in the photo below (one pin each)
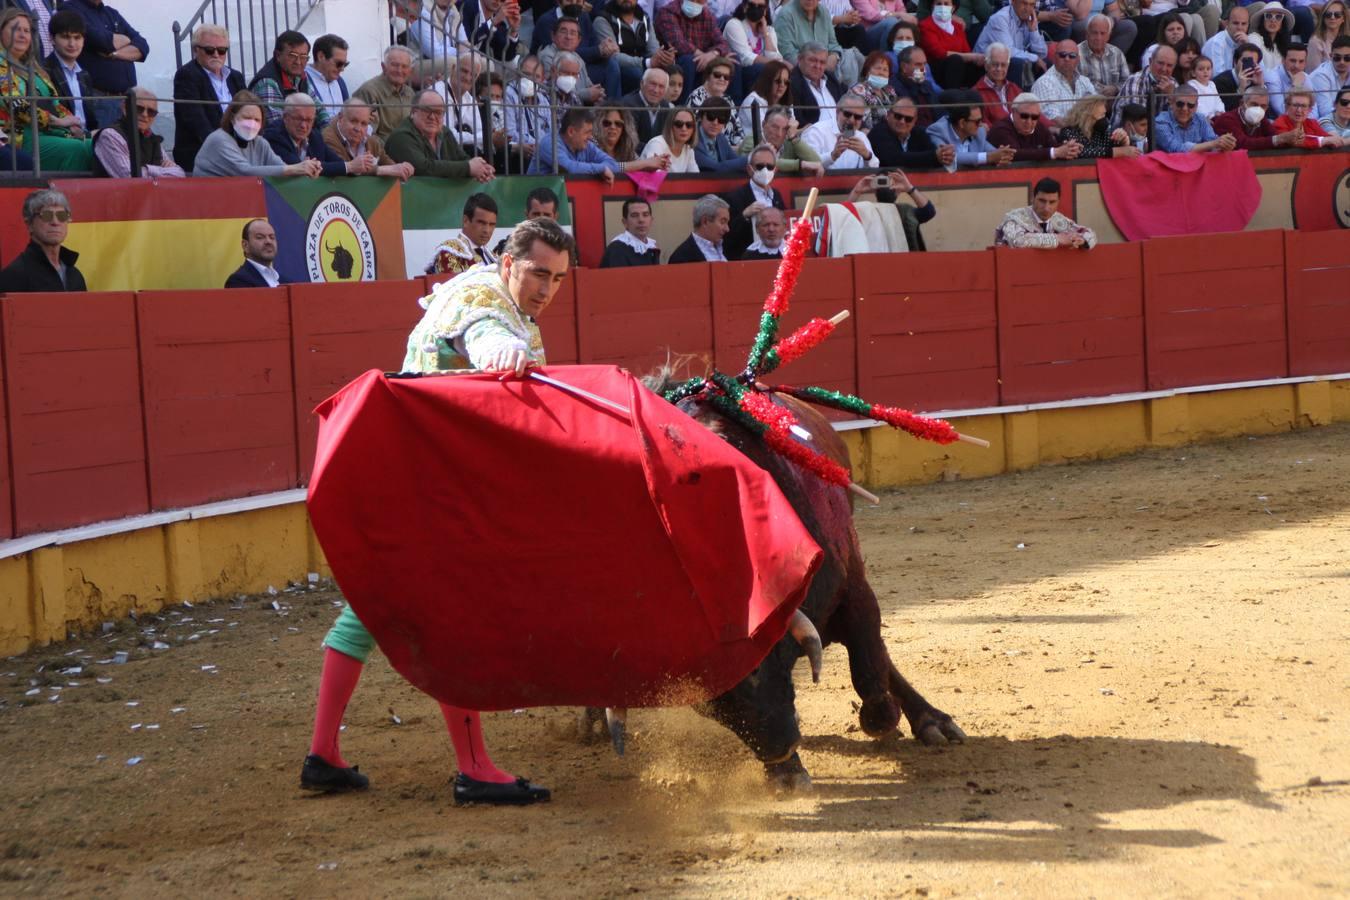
(1248, 65)
(848, 131)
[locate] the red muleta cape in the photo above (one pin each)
(509, 544)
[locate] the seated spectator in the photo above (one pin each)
(902, 34)
(770, 231)
(752, 38)
(1203, 82)
(624, 26)
(350, 137)
(469, 248)
(463, 117)
(235, 149)
(1245, 71)
(712, 218)
(195, 85)
(112, 145)
(1289, 75)
(617, 136)
(690, 29)
(1150, 88)
(578, 154)
(436, 34)
(566, 74)
(1100, 59)
(1136, 122)
(601, 65)
(963, 128)
(1332, 22)
(44, 266)
(389, 94)
(675, 142)
(675, 89)
(750, 199)
(813, 85)
(260, 251)
(943, 38)
(1087, 125)
(995, 90)
(1223, 46)
(875, 88)
(771, 88)
(111, 46)
(295, 140)
(1062, 86)
(423, 140)
(40, 13)
(326, 85)
(1170, 32)
(284, 74)
(527, 112)
(648, 105)
(1338, 123)
(1041, 225)
(633, 246)
(896, 141)
(1015, 27)
(780, 133)
(1298, 106)
(1332, 75)
(64, 145)
(840, 144)
(716, 82)
(800, 24)
(1249, 123)
(880, 17)
(71, 80)
(848, 27)
(1180, 130)
(914, 83)
(1028, 135)
(493, 28)
(887, 189)
(1272, 30)
(540, 203)
(567, 39)
(711, 147)
(489, 89)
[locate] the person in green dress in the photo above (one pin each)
(62, 144)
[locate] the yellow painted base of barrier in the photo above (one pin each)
(50, 593)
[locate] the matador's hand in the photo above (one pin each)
(509, 360)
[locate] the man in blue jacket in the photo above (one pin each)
(111, 46)
(712, 150)
(295, 139)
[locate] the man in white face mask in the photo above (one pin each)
(752, 198)
(1249, 125)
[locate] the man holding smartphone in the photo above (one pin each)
(839, 143)
(1244, 72)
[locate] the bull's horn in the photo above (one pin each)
(806, 636)
(617, 720)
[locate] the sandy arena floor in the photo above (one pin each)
(1151, 655)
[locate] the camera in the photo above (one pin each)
(882, 181)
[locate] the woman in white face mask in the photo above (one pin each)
(874, 87)
(235, 148)
(943, 38)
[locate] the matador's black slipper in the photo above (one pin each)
(511, 793)
(319, 775)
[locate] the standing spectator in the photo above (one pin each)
(1289, 75)
(207, 78)
(963, 128)
(624, 25)
(1222, 47)
(675, 142)
(770, 229)
(1026, 132)
(1332, 75)
(527, 112)
(112, 145)
(1250, 127)
(1100, 59)
(875, 88)
(1338, 123)
(773, 87)
(781, 133)
(995, 90)
(711, 147)
(840, 144)
(1298, 106)
(436, 34)
(64, 143)
(716, 82)
(1062, 86)
(712, 220)
(633, 246)
(469, 248)
(802, 23)
(235, 149)
(111, 46)
(1150, 88)
(1015, 27)
(326, 85)
(751, 199)
(567, 40)
(1180, 130)
(896, 141)
(617, 135)
(943, 38)
(813, 85)
(294, 139)
(690, 29)
(44, 265)
(1331, 24)
(423, 140)
(260, 251)
(914, 84)
(350, 137)
(284, 74)
(578, 154)
(1041, 225)
(389, 94)
(70, 79)
(649, 105)
(1087, 124)
(1245, 71)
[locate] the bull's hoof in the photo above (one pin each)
(788, 776)
(587, 720)
(936, 729)
(879, 716)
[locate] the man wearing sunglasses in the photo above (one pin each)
(1249, 125)
(840, 144)
(44, 265)
(205, 79)
(1180, 130)
(897, 143)
(712, 150)
(1062, 86)
(326, 84)
(751, 199)
(112, 146)
(1025, 131)
(1332, 75)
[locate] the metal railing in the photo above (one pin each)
(252, 33)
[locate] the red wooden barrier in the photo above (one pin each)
(75, 425)
(558, 324)
(219, 395)
(1214, 309)
(1070, 324)
(637, 317)
(339, 331)
(927, 330)
(1317, 278)
(825, 288)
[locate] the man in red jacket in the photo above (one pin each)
(1248, 123)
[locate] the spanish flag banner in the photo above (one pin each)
(170, 234)
(337, 229)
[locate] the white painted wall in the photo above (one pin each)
(363, 23)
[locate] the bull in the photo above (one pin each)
(840, 607)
